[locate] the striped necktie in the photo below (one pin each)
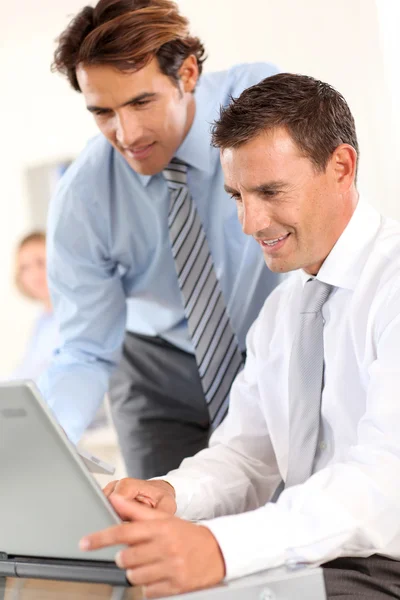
(215, 344)
(306, 382)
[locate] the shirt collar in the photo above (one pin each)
(343, 266)
(195, 149)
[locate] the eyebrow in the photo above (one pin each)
(230, 190)
(263, 188)
(267, 188)
(134, 100)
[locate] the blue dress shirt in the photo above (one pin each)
(39, 352)
(110, 263)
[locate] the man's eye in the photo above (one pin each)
(141, 103)
(101, 113)
(270, 193)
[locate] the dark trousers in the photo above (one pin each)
(158, 406)
(372, 578)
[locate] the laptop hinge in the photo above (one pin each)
(7, 566)
(69, 570)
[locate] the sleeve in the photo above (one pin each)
(248, 74)
(350, 508)
(238, 471)
(89, 304)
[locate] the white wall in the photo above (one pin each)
(42, 119)
(335, 41)
(389, 22)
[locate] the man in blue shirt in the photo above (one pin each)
(145, 249)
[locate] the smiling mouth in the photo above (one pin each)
(274, 242)
(139, 151)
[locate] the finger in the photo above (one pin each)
(125, 534)
(127, 487)
(109, 488)
(146, 575)
(131, 510)
(145, 500)
(123, 507)
(129, 490)
(140, 555)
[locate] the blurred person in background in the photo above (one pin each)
(148, 266)
(31, 281)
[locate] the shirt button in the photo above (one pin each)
(322, 445)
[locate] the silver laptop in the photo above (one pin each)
(48, 498)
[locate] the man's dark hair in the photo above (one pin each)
(315, 115)
(127, 35)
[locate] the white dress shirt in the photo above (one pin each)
(350, 506)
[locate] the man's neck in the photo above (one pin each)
(191, 111)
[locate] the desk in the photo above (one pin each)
(279, 584)
(40, 589)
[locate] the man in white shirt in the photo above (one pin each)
(289, 155)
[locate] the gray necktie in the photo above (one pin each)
(306, 380)
(216, 348)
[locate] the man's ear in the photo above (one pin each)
(189, 73)
(344, 165)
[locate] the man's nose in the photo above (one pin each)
(128, 129)
(254, 217)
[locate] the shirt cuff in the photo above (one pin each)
(185, 490)
(250, 542)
